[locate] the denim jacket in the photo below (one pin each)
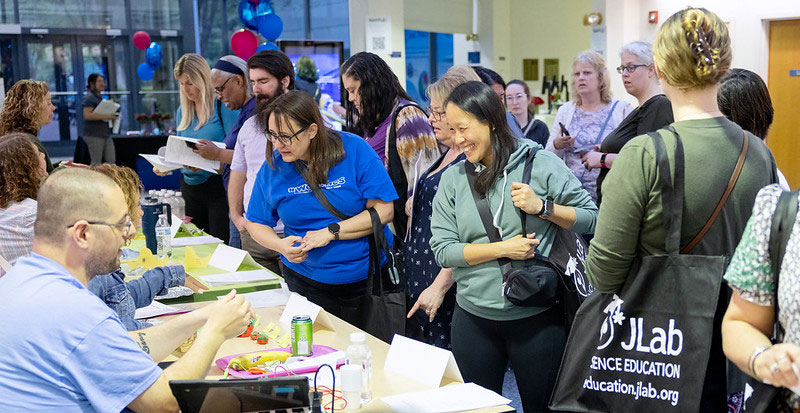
(125, 297)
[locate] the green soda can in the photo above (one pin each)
(302, 335)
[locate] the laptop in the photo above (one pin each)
(279, 395)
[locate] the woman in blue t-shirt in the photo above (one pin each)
(324, 259)
(201, 116)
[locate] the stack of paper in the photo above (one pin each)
(187, 241)
(180, 151)
(176, 292)
(156, 309)
(453, 398)
(239, 277)
(266, 298)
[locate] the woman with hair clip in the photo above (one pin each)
(27, 108)
(325, 259)
(375, 100)
(487, 329)
(200, 117)
(692, 54)
(22, 172)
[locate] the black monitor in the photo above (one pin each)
(241, 395)
(328, 56)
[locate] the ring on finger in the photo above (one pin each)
(773, 368)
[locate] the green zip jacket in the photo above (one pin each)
(455, 222)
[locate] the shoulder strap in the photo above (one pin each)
(731, 183)
(392, 135)
(484, 211)
(605, 124)
(303, 170)
(219, 114)
(779, 233)
(526, 178)
(671, 191)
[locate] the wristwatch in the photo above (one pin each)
(547, 208)
(603, 161)
(334, 229)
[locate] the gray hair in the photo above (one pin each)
(642, 50)
(239, 63)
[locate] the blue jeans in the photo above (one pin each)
(235, 239)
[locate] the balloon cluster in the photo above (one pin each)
(256, 15)
(152, 55)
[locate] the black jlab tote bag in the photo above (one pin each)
(646, 349)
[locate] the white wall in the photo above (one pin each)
(443, 16)
(360, 9)
(748, 22)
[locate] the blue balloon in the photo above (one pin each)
(267, 46)
(145, 72)
(152, 56)
(264, 7)
(270, 26)
(247, 14)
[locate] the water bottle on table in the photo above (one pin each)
(163, 236)
(359, 354)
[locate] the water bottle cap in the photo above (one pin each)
(358, 337)
(177, 193)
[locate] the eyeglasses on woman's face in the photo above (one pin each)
(629, 68)
(285, 139)
(435, 114)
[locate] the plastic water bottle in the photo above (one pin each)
(170, 199)
(359, 354)
(163, 236)
(180, 206)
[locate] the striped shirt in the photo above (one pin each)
(16, 230)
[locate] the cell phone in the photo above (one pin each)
(564, 131)
(191, 145)
(582, 151)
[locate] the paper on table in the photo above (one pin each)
(266, 298)
(240, 277)
(453, 398)
(178, 151)
(299, 305)
(419, 361)
(176, 225)
(175, 292)
(155, 309)
(186, 241)
(227, 258)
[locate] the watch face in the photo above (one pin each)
(334, 228)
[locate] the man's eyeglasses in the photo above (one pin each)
(435, 114)
(629, 68)
(126, 227)
(285, 139)
(221, 89)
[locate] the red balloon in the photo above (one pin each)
(244, 43)
(141, 40)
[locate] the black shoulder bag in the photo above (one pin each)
(765, 396)
(384, 309)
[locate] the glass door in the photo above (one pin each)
(53, 61)
(108, 58)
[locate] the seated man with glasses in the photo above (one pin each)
(63, 349)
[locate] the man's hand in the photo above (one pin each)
(207, 149)
(194, 284)
(230, 316)
(292, 253)
(317, 239)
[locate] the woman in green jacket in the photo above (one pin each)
(488, 330)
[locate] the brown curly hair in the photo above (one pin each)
(128, 181)
(21, 108)
(20, 175)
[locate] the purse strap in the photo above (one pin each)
(782, 222)
(731, 183)
(485, 212)
(605, 124)
(323, 200)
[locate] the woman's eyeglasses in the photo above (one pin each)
(435, 114)
(285, 139)
(629, 68)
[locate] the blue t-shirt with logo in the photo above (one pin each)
(281, 193)
(63, 349)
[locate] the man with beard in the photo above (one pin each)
(63, 348)
(271, 74)
(233, 89)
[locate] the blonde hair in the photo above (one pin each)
(127, 180)
(599, 64)
(24, 102)
(692, 49)
(454, 76)
(199, 73)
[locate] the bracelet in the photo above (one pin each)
(603, 161)
(751, 364)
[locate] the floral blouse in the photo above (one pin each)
(750, 272)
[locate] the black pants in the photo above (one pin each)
(342, 300)
(207, 204)
(534, 345)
